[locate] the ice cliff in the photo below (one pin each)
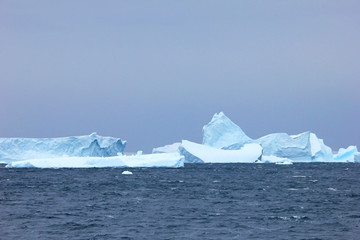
(349, 154)
(170, 160)
(93, 145)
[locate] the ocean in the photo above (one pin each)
(199, 201)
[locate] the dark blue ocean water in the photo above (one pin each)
(200, 201)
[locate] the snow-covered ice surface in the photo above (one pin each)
(167, 148)
(171, 160)
(221, 132)
(199, 153)
(349, 154)
(13, 149)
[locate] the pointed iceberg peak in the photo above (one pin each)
(221, 132)
(94, 134)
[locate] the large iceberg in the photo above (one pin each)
(93, 145)
(221, 132)
(170, 160)
(199, 153)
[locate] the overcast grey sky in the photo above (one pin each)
(154, 72)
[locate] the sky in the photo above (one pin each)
(155, 72)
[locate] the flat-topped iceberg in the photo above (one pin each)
(93, 145)
(169, 160)
(199, 153)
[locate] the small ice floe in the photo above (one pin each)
(285, 162)
(276, 160)
(299, 176)
(313, 180)
(297, 189)
(127, 173)
(332, 189)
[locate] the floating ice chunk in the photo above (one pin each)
(167, 148)
(221, 132)
(139, 153)
(349, 154)
(13, 149)
(198, 153)
(172, 160)
(127, 173)
(274, 159)
(287, 162)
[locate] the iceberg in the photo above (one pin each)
(167, 148)
(349, 154)
(221, 132)
(169, 160)
(305, 147)
(93, 145)
(199, 153)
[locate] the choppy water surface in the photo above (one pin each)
(200, 201)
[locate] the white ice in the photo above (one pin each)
(221, 132)
(349, 154)
(170, 160)
(167, 148)
(304, 147)
(13, 149)
(274, 159)
(199, 153)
